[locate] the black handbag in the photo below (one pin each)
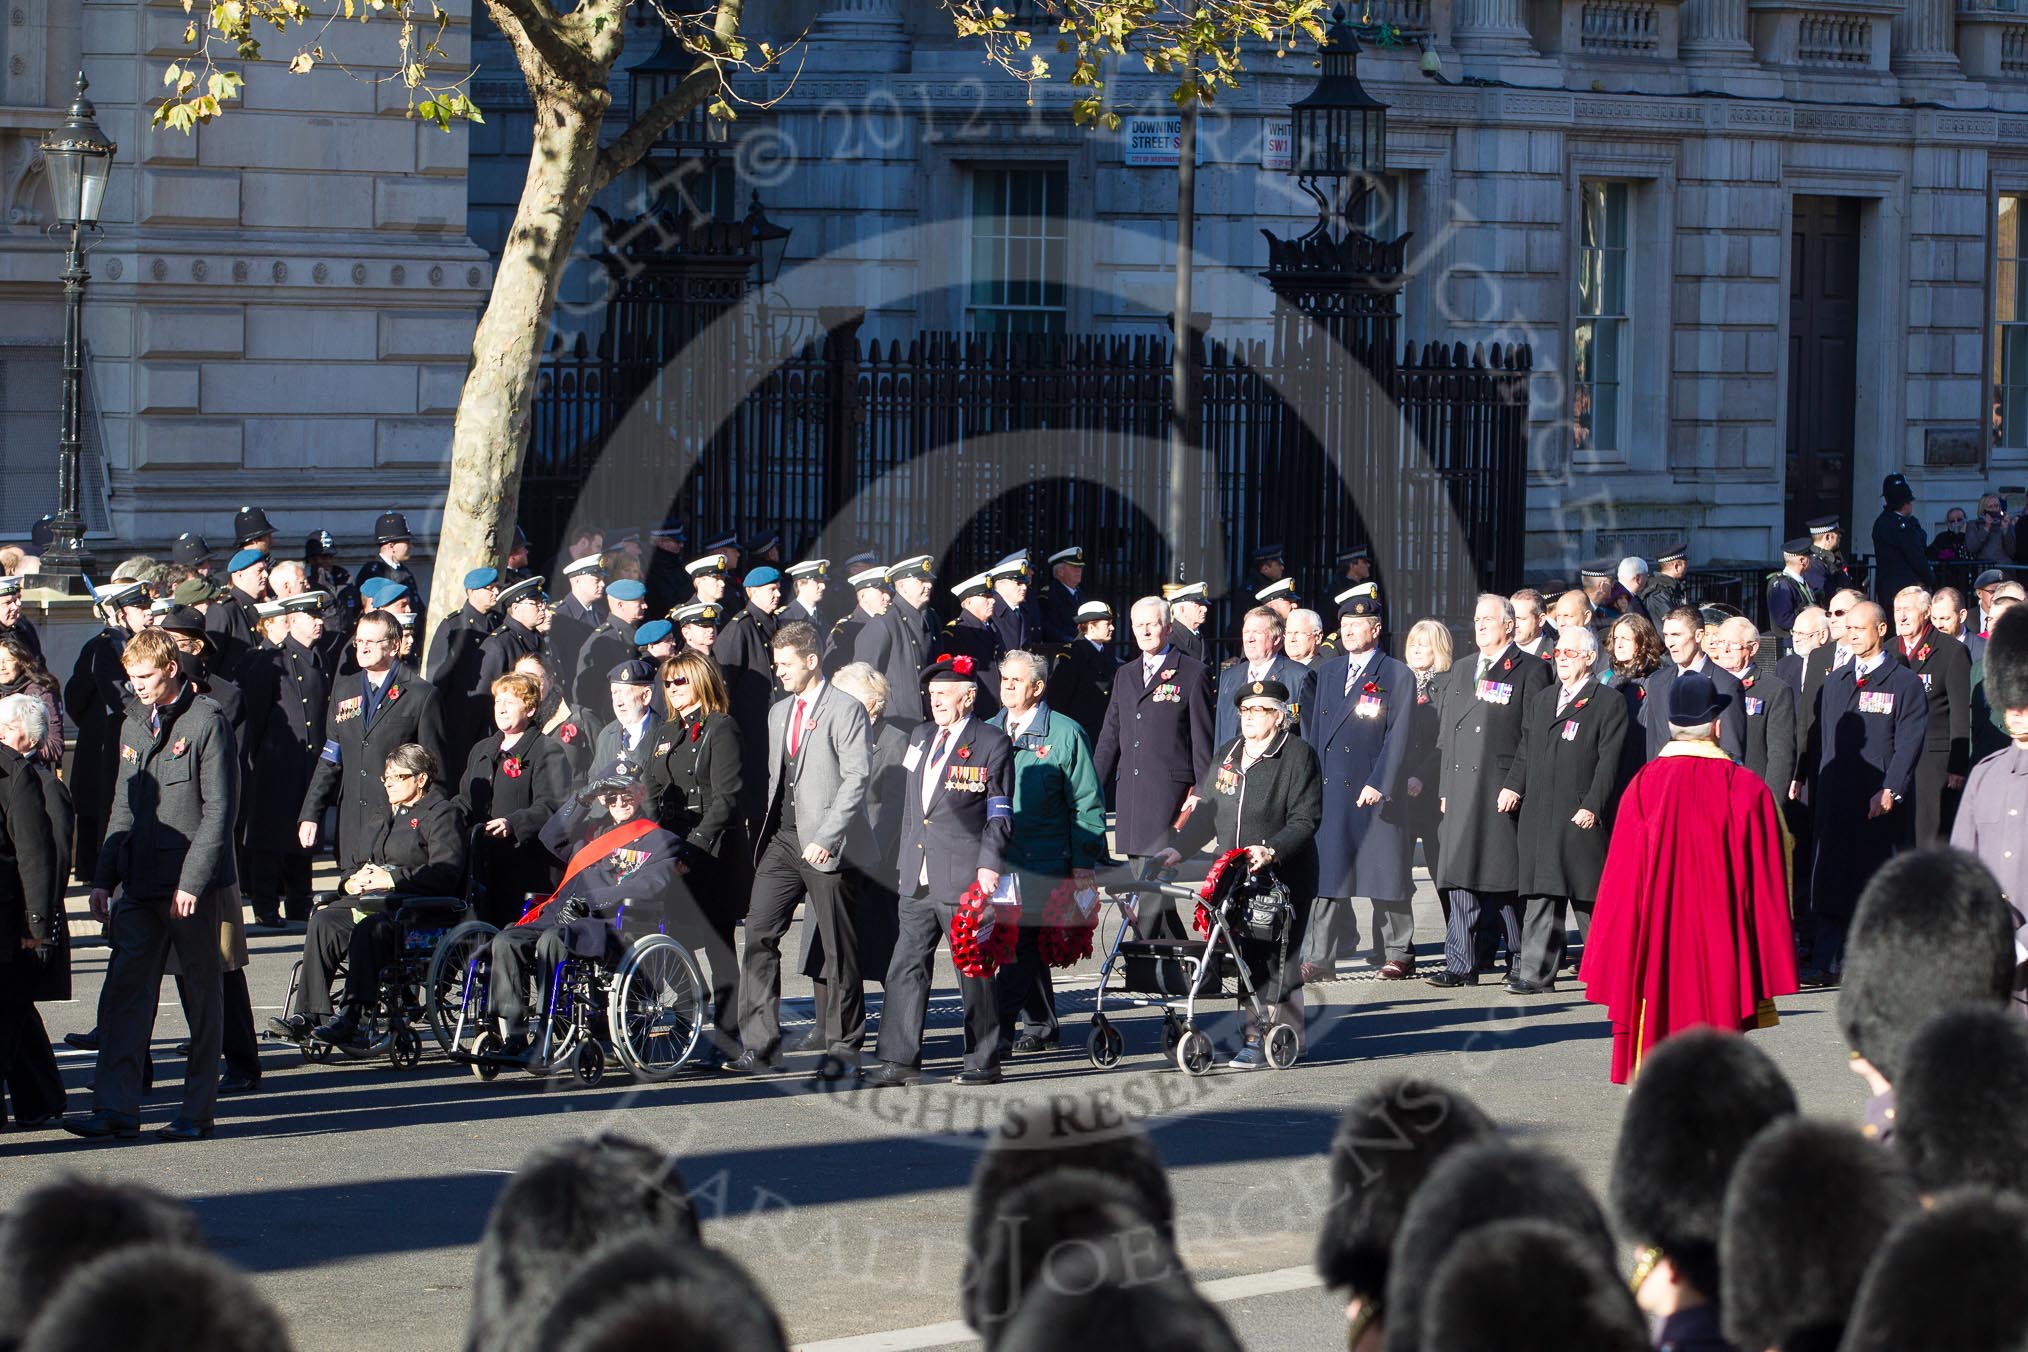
(1265, 908)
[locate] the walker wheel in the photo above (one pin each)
(485, 1045)
(1105, 1045)
(1193, 1053)
(1282, 1046)
(404, 1048)
(1172, 1033)
(315, 1052)
(591, 1064)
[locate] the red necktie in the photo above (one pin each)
(796, 731)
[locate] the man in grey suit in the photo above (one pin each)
(819, 750)
(168, 848)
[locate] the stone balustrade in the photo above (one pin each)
(1854, 37)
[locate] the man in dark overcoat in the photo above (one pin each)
(1484, 710)
(1081, 683)
(1865, 742)
(1357, 723)
(1944, 666)
(901, 641)
(35, 823)
(1568, 777)
(521, 606)
(369, 714)
(1771, 740)
(95, 697)
(1156, 739)
(1261, 659)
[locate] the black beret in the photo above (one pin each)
(1931, 932)
(1390, 1138)
(1472, 1186)
(2007, 660)
(1528, 1286)
(1700, 1099)
(1961, 1102)
(1808, 1205)
(1948, 1278)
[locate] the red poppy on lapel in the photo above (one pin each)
(567, 733)
(1506, 665)
(415, 823)
(1859, 682)
(393, 693)
(1370, 688)
(182, 745)
(964, 753)
(511, 767)
(696, 731)
(1166, 673)
(1581, 703)
(1747, 681)
(1922, 653)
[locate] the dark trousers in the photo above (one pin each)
(278, 880)
(325, 944)
(779, 883)
(141, 935)
(923, 925)
(1545, 938)
(709, 925)
(375, 942)
(89, 830)
(1936, 806)
(1023, 989)
(1470, 938)
(516, 950)
(28, 1073)
(239, 1044)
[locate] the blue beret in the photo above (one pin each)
(761, 576)
(390, 592)
(370, 588)
(481, 577)
(628, 589)
(654, 631)
(246, 558)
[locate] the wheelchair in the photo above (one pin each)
(643, 1004)
(405, 1002)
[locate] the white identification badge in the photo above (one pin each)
(912, 759)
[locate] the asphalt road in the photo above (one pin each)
(356, 1192)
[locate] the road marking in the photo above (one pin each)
(957, 1331)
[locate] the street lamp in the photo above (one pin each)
(1338, 131)
(79, 158)
(770, 241)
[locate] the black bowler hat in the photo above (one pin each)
(1693, 699)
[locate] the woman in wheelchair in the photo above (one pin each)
(620, 859)
(419, 852)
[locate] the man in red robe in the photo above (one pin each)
(1692, 922)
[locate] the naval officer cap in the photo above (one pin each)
(306, 603)
(1072, 555)
(591, 563)
(1092, 611)
(1283, 590)
(810, 568)
(711, 565)
(976, 585)
(915, 565)
(698, 612)
(527, 589)
(1172, 592)
(128, 592)
(874, 575)
(1014, 565)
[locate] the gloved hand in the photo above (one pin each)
(572, 909)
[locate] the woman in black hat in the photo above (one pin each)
(1263, 793)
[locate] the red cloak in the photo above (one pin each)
(1692, 922)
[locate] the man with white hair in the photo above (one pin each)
(288, 578)
(1770, 707)
(1944, 667)
(1632, 575)
(35, 819)
(1484, 712)
(1303, 638)
(1156, 740)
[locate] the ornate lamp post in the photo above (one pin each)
(1338, 131)
(79, 158)
(770, 241)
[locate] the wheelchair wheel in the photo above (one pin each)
(1282, 1046)
(456, 986)
(486, 1044)
(656, 1007)
(404, 1048)
(1193, 1053)
(591, 1064)
(1106, 1043)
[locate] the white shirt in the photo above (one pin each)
(639, 733)
(1871, 665)
(1258, 671)
(1355, 668)
(1015, 730)
(1151, 665)
(1569, 693)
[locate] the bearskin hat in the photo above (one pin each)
(1807, 1208)
(158, 1298)
(1385, 1146)
(59, 1227)
(640, 1292)
(1528, 1286)
(1931, 932)
(1471, 1186)
(2006, 669)
(1063, 1206)
(1037, 1139)
(1699, 1100)
(1114, 1293)
(1961, 1102)
(1949, 1278)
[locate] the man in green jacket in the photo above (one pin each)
(1059, 833)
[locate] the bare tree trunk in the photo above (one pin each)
(492, 423)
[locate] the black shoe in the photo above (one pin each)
(184, 1129)
(43, 1123)
(295, 1027)
(834, 1072)
(892, 1074)
(806, 1041)
(342, 1031)
(1029, 1043)
(1448, 979)
(1519, 987)
(238, 1084)
(267, 920)
(183, 1047)
(84, 1042)
(516, 1046)
(984, 1075)
(105, 1126)
(752, 1063)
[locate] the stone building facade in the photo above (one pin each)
(281, 304)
